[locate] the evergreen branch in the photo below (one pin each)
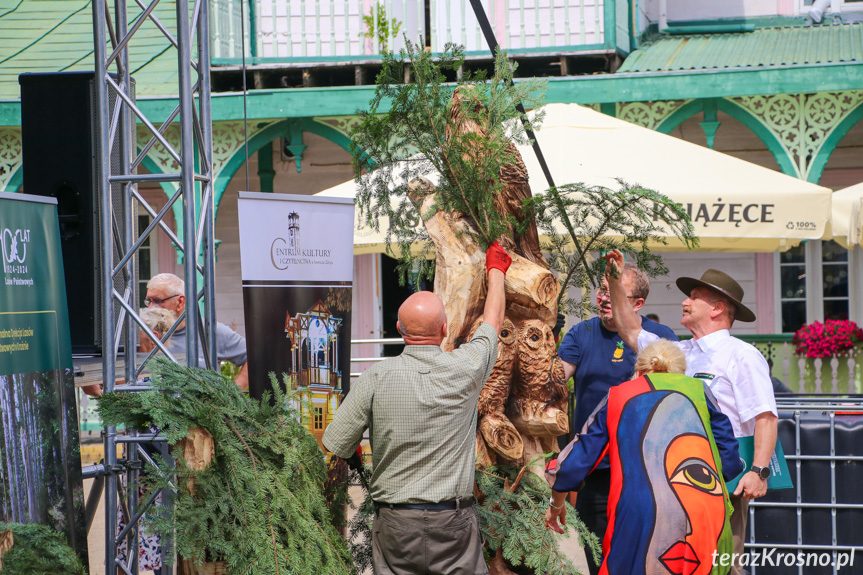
(440, 141)
(564, 219)
(269, 514)
(581, 253)
(265, 480)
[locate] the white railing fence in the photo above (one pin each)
(311, 30)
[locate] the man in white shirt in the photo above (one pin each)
(735, 371)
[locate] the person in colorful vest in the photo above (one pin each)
(671, 450)
(735, 371)
(595, 355)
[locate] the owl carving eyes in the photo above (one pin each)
(507, 332)
(532, 334)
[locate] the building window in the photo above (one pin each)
(816, 280)
(834, 271)
(835, 6)
(146, 256)
(319, 418)
(792, 273)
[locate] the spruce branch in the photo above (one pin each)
(512, 520)
(632, 219)
(426, 132)
(259, 505)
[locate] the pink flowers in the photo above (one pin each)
(828, 339)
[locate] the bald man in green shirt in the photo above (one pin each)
(420, 409)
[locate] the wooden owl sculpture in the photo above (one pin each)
(522, 406)
(538, 401)
(497, 430)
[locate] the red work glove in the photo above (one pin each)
(497, 258)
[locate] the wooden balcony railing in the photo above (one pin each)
(314, 31)
(811, 376)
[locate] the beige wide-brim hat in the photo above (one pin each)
(723, 283)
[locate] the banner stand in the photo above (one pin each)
(40, 459)
(297, 266)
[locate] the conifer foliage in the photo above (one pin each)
(514, 502)
(259, 505)
(407, 132)
(578, 221)
(37, 550)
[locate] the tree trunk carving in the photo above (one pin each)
(523, 405)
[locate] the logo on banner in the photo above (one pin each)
(13, 244)
(287, 252)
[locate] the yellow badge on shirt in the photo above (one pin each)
(618, 353)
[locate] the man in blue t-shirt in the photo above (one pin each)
(597, 356)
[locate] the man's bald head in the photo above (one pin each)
(422, 319)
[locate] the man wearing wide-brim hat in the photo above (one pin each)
(735, 371)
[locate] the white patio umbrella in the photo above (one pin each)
(734, 205)
(847, 219)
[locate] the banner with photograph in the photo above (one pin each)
(40, 460)
(296, 257)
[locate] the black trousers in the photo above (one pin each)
(592, 507)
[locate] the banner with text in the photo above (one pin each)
(40, 460)
(297, 265)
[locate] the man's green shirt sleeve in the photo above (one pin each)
(353, 416)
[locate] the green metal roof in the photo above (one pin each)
(57, 36)
(762, 48)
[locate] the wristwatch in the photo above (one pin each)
(763, 472)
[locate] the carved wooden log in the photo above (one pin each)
(535, 446)
(7, 540)
(531, 290)
(531, 417)
(527, 368)
(502, 436)
(497, 565)
(483, 459)
(198, 450)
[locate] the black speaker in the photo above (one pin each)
(59, 132)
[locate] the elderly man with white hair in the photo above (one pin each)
(167, 291)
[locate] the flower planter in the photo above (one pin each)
(836, 345)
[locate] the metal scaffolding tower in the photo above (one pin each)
(117, 175)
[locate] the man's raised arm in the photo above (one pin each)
(497, 263)
(626, 319)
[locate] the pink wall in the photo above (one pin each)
(765, 294)
(785, 7)
(365, 315)
(166, 255)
